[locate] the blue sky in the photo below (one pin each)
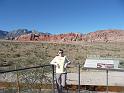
(62, 16)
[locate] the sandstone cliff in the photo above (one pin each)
(98, 36)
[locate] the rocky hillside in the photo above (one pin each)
(48, 37)
(98, 36)
(11, 35)
(105, 36)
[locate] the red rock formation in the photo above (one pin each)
(106, 36)
(98, 36)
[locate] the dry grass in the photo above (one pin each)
(35, 53)
(24, 54)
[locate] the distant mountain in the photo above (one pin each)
(98, 36)
(32, 35)
(18, 32)
(105, 36)
(3, 34)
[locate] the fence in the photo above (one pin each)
(27, 80)
(97, 80)
(40, 79)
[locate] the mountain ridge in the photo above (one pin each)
(111, 35)
(97, 36)
(11, 35)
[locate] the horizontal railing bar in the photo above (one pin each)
(111, 69)
(7, 71)
(84, 68)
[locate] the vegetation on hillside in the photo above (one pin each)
(14, 55)
(26, 54)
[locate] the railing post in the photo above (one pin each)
(18, 86)
(78, 78)
(17, 78)
(53, 91)
(106, 80)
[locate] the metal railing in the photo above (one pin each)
(47, 71)
(106, 70)
(108, 73)
(21, 82)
